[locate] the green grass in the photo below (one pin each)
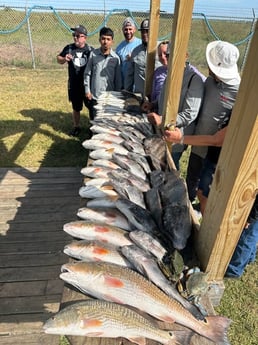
(35, 117)
(240, 304)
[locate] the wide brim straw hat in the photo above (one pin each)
(222, 59)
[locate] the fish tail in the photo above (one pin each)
(217, 327)
(181, 337)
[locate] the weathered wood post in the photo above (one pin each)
(235, 183)
(152, 45)
(179, 44)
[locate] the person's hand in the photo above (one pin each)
(154, 119)
(88, 95)
(68, 57)
(146, 107)
(174, 136)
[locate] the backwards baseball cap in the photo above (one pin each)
(222, 59)
(168, 48)
(144, 25)
(80, 29)
(128, 22)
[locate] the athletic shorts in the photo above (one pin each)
(77, 98)
(206, 178)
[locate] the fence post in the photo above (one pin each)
(30, 40)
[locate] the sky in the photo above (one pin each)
(224, 8)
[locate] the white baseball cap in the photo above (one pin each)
(222, 59)
(128, 22)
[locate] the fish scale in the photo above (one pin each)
(96, 251)
(95, 318)
(97, 231)
(122, 285)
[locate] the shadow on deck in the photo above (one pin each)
(35, 204)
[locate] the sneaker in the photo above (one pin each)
(75, 132)
(196, 206)
(231, 275)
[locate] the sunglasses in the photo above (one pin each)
(78, 36)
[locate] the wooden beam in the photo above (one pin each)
(235, 183)
(152, 45)
(176, 64)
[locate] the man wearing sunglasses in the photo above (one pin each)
(76, 55)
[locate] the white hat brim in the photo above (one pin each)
(230, 74)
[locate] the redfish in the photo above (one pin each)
(94, 318)
(122, 285)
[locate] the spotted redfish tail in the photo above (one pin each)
(217, 329)
(181, 337)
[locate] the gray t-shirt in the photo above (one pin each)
(218, 101)
(189, 104)
(135, 74)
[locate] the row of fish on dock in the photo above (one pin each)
(136, 214)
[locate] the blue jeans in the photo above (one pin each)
(245, 251)
(176, 158)
(206, 177)
(194, 169)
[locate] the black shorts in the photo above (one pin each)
(76, 96)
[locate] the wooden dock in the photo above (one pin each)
(34, 205)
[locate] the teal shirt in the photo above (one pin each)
(124, 50)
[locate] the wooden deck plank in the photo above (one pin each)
(36, 187)
(49, 217)
(33, 247)
(36, 201)
(31, 288)
(34, 226)
(32, 304)
(34, 206)
(29, 210)
(29, 273)
(22, 181)
(34, 236)
(30, 339)
(12, 192)
(31, 173)
(32, 259)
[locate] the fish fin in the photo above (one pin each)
(166, 318)
(181, 337)
(216, 329)
(112, 299)
(95, 334)
(111, 150)
(106, 187)
(193, 309)
(90, 323)
(113, 282)
(139, 341)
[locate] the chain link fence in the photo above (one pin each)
(32, 37)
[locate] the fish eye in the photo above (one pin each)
(64, 270)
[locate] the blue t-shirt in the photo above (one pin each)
(124, 50)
